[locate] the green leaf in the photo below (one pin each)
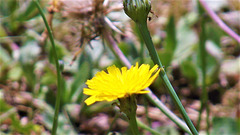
(64, 125)
(166, 57)
(3, 33)
(129, 49)
(24, 129)
(186, 38)
(215, 33)
(224, 126)
(79, 79)
(189, 70)
(167, 130)
(5, 62)
(15, 73)
(28, 12)
(171, 43)
(8, 7)
(61, 52)
(4, 57)
(171, 40)
(4, 106)
(16, 125)
(212, 63)
(49, 77)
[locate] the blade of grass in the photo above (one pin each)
(59, 78)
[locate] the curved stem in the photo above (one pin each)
(59, 78)
(116, 50)
(167, 112)
(145, 35)
(220, 23)
(142, 125)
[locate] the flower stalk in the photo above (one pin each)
(59, 77)
(128, 105)
(134, 9)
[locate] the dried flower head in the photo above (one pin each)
(87, 18)
(118, 83)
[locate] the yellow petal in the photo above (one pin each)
(90, 100)
(118, 83)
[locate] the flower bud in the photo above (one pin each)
(137, 10)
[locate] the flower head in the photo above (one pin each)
(118, 83)
(137, 10)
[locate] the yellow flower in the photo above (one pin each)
(120, 84)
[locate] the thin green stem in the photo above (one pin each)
(142, 53)
(154, 100)
(142, 125)
(208, 119)
(146, 111)
(133, 123)
(203, 61)
(113, 122)
(59, 78)
(145, 35)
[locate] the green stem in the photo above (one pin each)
(145, 35)
(112, 123)
(128, 105)
(142, 53)
(133, 123)
(203, 60)
(207, 118)
(141, 47)
(146, 111)
(59, 78)
(154, 100)
(142, 125)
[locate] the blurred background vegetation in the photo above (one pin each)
(28, 76)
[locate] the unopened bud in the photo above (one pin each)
(137, 10)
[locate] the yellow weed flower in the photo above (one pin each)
(117, 84)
